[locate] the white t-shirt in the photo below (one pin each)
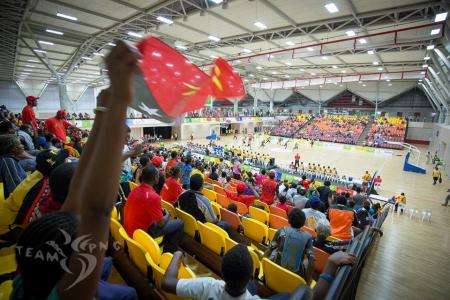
(207, 288)
(126, 166)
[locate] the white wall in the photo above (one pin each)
(200, 130)
(441, 144)
(420, 131)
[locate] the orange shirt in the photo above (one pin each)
(269, 187)
(341, 221)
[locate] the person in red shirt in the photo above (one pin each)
(28, 116)
(305, 182)
(173, 161)
(143, 211)
(241, 197)
(269, 187)
(297, 160)
(282, 204)
(172, 187)
(57, 125)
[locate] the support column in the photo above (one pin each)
(255, 102)
(235, 106)
(271, 106)
(64, 100)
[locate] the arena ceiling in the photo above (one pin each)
(267, 41)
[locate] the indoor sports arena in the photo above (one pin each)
(224, 149)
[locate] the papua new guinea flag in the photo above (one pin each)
(168, 84)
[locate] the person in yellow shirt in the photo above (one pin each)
(400, 200)
(198, 170)
(437, 175)
(366, 178)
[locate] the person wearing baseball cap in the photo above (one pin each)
(28, 116)
(241, 196)
(57, 125)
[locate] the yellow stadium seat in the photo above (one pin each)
(8, 263)
(190, 224)
(114, 227)
(260, 203)
(114, 214)
(211, 239)
(256, 262)
(255, 230)
(148, 243)
(216, 207)
(136, 251)
(218, 229)
(259, 214)
(332, 238)
(272, 233)
(278, 279)
(6, 289)
(211, 195)
(229, 243)
(170, 208)
(183, 271)
(132, 185)
(2, 192)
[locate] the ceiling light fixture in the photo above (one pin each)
(380, 69)
(423, 72)
(371, 52)
(362, 41)
(335, 67)
(310, 49)
(288, 64)
(430, 47)
(39, 51)
(287, 76)
(390, 84)
(134, 34)
(238, 61)
(441, 17)
(426, 58)
(111, 44)
(435, 31)
(332, 8)
(302, 70)
(217, 1)
(247, 50)
(164, 20)
(46, 43)
(54, 31)
(259, 67)
(325, 57)
(98, 54)
(213, 38)
(350, 33)
(375, 63)
(66, 17)
(343, 71)
(313, 74)
(388, 80)
(363, 85)
(86, 58)
(260, 25)
(213, 56)
(251, 75)
(425, 66)
(32, 60)
(290, 43)
(181, 47)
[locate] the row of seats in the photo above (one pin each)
(289, 126)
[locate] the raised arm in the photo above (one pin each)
(95, 192)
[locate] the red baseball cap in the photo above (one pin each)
(156, 161)
(240, 188)
(61, 113)
(31, 99)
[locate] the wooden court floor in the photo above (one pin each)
(412, 259)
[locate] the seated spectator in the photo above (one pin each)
(223, 178)
(143, 211)
(314, 215)
(282, 204)
(143, 162)
(173, 161)
(25, 133)
(11, 172)
(292, 192)
(363, 215)
(186, 170)
(291, 247)
(300, 200)
(213, 175)
(197, 205)
(268, 189)
(342, 219)
(325, 193)
(241, 196)
(227, 184)
(323, 230)
(358, 198)
(172, 188)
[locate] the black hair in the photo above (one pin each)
(233, 207)
(296, 218)
(59, 181)
(301, 190)
(341, 200)
(263, 171)
(293, 185)
(174, 171)
(224, 174)
(237, 268)
(173, 154)
(228, 178)
(303, 177)
(143, 160)
(38, 245)
(282, 199)
(5, 126)
(149, 175)
(196, 182)
(188, 160)
(358, 189)
(327, 183)
(271, 175)
(54, 141)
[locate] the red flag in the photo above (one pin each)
(169, 84)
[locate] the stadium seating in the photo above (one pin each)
(288, 127)
(279, 279)
(392, 129)
(211, 238)
(148, 243)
